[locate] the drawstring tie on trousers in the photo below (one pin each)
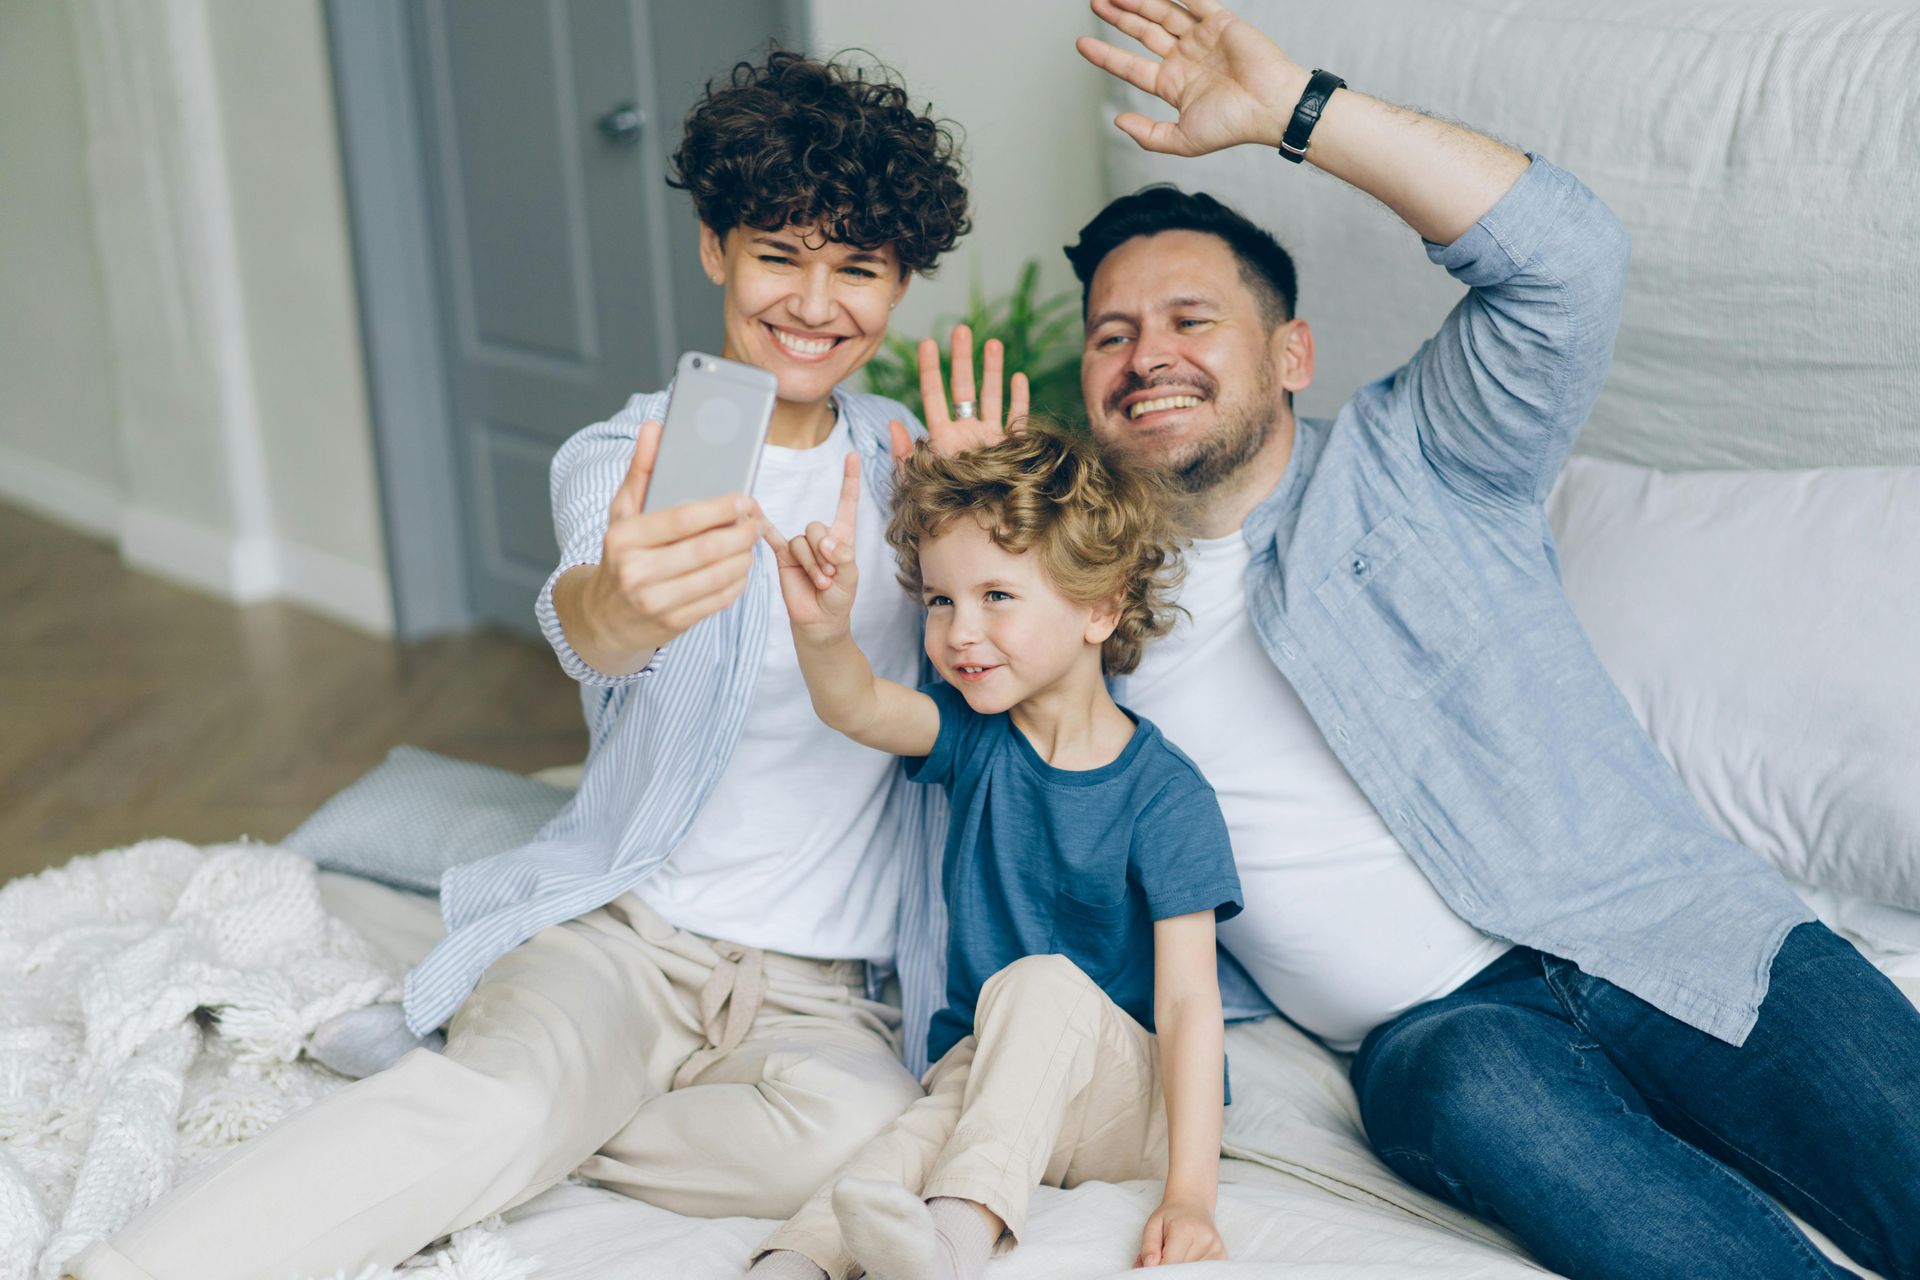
(729, 1002)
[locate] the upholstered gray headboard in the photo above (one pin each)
(1765, 156)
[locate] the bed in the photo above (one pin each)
(1760, 623)
(1299, 1186)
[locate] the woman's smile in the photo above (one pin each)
(798, 344)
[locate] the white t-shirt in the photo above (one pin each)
(1341, 929)
(783, 856)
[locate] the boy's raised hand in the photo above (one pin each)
(1180, 1233)
(818, 575)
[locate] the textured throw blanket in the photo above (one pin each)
(153, 1005)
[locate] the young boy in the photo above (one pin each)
(1086, 864)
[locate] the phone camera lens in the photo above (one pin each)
(696, 362)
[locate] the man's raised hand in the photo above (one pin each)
(662, 571)
(818, 576)
(946, 433)
(1228, 81)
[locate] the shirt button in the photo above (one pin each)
(1359, 567)
(1341, 733)
(1400, 816)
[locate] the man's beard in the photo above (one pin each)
(1245, 426)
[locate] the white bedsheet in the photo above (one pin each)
(1092, 1231)
(1300, 1187)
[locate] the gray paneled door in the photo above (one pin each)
(565, 264)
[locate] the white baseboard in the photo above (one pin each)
(250, 570)
(192, 555)
(247, 571)
(338, 588)
(240, 571)
(59, 494)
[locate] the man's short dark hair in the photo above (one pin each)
(1264, 265)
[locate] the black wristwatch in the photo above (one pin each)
(1320, 87)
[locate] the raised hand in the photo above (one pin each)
(1228, 81)
(661, 571)
(818, 576)
(950, 434)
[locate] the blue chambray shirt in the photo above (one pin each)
(1405, 582)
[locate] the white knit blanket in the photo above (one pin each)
(153, 1005)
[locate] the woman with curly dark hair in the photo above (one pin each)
(671, 989)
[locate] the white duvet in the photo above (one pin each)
(111, 1090)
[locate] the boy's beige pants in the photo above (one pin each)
(701, 1076)
(1057, 1086)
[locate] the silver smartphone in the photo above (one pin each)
(716, 423)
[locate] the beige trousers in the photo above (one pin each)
(701, 1076)
(1057, 1086)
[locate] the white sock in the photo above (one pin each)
(786, 1264)
(896, 1236)
(364, 1041)
(964, 1234)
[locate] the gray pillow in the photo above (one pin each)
(407, 820)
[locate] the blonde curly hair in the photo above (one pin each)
(1104, 529)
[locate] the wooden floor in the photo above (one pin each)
(132, 708)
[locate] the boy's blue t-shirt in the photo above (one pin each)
(1081, 863)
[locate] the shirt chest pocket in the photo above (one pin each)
(1398, 611)
(1093, 936)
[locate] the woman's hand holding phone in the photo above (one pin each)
(660, 572)
(946, 433)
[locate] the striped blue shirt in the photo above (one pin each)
(658, 741)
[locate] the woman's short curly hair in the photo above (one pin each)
(795, 141)
(1102, 527)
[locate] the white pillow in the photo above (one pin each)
(1765, 626)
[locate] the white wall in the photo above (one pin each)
(296, 276)
(1030, 107)
(179, 352)
(59, 453)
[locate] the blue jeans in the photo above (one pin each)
(1617, 1141)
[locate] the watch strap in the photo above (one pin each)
(1306, 114)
